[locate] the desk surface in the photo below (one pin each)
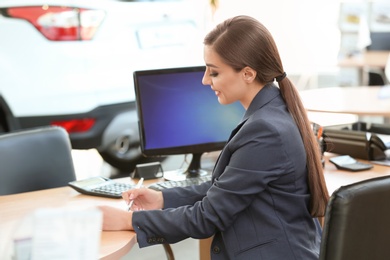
(335, 178)
(14, 208)
(376, 59)
(361, 100)
(116, 244)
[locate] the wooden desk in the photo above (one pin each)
(14, 208)
(336, 178)
(374, 59)
(361, 101)
(115, 245)
(365, 61)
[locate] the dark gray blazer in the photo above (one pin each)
(257, 204)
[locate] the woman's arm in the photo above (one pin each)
(115, 219)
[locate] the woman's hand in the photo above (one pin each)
(119, 219)
(144, 199)
(115, 219)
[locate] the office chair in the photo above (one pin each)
(35, 159)
(357, 222)
(39, 159)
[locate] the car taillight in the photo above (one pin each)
(60, 23)
(76, 125)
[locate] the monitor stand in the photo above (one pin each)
(194, 170)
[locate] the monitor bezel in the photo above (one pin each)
(187, 149)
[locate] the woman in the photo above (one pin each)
(268, 187)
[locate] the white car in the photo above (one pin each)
(71, 63)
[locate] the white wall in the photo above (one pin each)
(306, 31)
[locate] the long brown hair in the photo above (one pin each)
(243, 41)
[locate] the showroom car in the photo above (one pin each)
(71, 63)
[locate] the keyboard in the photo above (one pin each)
(181, 183)
(113, 190)
(101, 186)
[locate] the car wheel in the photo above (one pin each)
(2, 129)
(123, 154)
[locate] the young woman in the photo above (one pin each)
(267, 187)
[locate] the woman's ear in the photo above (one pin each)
(249, 74)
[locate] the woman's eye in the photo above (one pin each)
(213, 74)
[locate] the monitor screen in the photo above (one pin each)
(179, 115)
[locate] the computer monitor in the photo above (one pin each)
(179, 115)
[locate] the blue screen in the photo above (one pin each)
(178, 114)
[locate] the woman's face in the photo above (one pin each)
(229, 85)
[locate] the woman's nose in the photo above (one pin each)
(206, 79)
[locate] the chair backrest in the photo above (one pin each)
(380, 41)
(357, 222)
(35, 159)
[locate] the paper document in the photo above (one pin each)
(62, 233)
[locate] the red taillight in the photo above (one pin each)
(61, 23)
(76, 125)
